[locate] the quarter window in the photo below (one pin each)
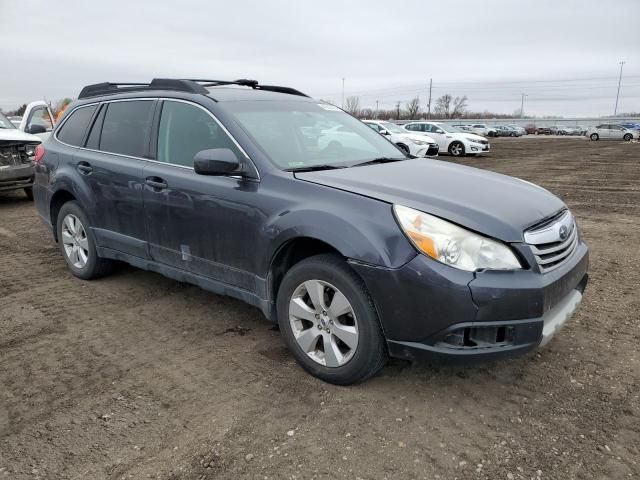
(72, 131)
(185, 130)
(125, 128)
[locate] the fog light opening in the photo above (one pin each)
(479, 337)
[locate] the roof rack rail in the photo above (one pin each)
(180, 85)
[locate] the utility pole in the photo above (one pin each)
(398, 110)
(615, 110)
(376, 116)
(522, 105)
(343, 93)
(429, 104)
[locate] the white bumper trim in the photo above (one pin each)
(555, 318)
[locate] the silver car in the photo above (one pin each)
(611, 131)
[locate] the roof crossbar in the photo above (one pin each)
(179, 85)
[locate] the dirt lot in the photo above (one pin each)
(138, 376)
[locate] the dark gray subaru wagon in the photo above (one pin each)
(292, 205)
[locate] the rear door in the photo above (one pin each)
(111, 165)
(207, 225)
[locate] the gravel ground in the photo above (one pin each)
(138, 376)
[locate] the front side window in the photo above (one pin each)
(186, 130)
(40, 116)
(72, 130)
(302, 134)
(125, 128)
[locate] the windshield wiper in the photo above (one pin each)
(314, 168)
(378, 160)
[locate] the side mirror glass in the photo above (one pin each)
(216, 161)
(384, 132)
(35, 129)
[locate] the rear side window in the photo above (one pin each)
(185, 130)
(125, 128)
(72, 131)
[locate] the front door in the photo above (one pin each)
(203, 224)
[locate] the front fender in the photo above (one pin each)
(367, 232)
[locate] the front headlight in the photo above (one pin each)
(453, 245)
(474, 140)
(420, 142)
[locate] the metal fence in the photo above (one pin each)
(541, 122)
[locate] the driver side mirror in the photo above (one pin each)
(35, 129)
(216, 161)
(439, 130)
(384, 132)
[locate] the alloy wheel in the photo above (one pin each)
(456, 149)
(323, 323)
(75, 241)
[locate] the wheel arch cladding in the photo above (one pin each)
(57, 201)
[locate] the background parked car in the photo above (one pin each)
(543, 131)
(632, 126)
(580, 130)
(611, 131)
(450, 139)
(531, 129)
(483, 129)
(506, 131)
(411, 143)
(17, 152)
(518, 128)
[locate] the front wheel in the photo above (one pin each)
(627, 137)
(456, 149)
(77, 244)
(594, 137)
(328, 321)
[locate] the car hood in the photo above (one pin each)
(15, 135)
(489, 203)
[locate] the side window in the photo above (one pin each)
(40, 116)
(72, 131)
(413, 127)
(93, 141)
(375, 126)
(185, 130)
(125, 128)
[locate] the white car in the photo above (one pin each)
(483, 129)
(413, 144)
(450, 139)
(37, 120)
(611, 131)
(17, 152)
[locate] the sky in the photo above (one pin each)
(564, 55)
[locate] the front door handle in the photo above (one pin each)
(156, 182)
(84, 168)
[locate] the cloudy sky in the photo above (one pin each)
(563, 54)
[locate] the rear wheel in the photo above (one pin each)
(329, 322)
(594, 137)
(29, 193)
(627, 137)
(77, 244)
(456, 149)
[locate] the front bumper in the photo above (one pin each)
(427, 151)
(13, 177)
(478, 148)
(435, 312)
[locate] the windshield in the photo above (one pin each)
(5, 122)
(299, 135)
(392, 127)
(449, 128)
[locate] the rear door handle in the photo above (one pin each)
(84, 168)
(156, 182)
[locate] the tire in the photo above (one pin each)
(627, 137)
(345, 365)
(404, 148)
(29, 193)
(456, 149)
(512, 134)
(594, 137)
(87, 264)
